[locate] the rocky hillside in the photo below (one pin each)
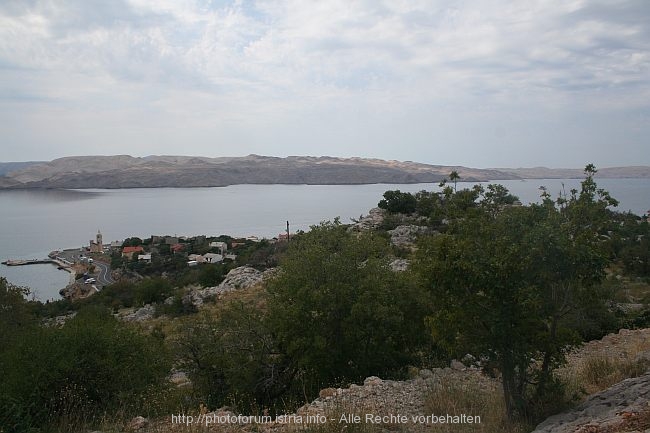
(124, 171)
(574, 173)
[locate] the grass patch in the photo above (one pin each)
(474, 399)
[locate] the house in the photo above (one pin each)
(221, 246)
(176, 248)
(129, 251)
(116, 244)
(145, 257)
(283, 237)
(196, 257)
(213, 258)
(171, 240)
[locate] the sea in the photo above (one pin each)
(35, 222)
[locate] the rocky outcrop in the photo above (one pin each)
(617, 409)
(385, 397)
(75, 291)
(141, 314)
(405, 236)
(238, 278)
(373, 220)
(58, 321)
(399, 265)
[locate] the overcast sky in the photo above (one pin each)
(484, 83)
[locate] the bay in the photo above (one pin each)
(35, 222)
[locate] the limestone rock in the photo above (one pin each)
(405, 235)
(238, 278)
(371, 221)
(137, 423)
(75, 291)
(145, 313)
(58, 321)
(606, 409)
(180, 379)
(399, 265)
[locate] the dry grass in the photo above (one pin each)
(471, 398)
(598, 372)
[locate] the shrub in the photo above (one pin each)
(93, 364)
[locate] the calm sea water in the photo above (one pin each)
(33, 223)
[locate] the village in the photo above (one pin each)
(99, 264)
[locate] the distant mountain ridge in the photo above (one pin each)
(124, 171)
(571, 173)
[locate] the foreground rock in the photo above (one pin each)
(406, 399)
(625, 407)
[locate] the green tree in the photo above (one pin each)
(398, 202)
(14, 312)
(454, 177)
(338, 310)
(233, 358)
(78, 373)
(506, 284)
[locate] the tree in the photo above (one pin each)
(91, 366)
(506, 283)
(339, 312)
(454, 177)
(398, 202)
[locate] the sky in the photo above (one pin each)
(480, 83)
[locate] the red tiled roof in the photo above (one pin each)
(132, 250)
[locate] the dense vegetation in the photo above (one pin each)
(512, 285)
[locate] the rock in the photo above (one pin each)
(180, 379)
(607, 409)
(58, 321)
(406, 235)
(374, 219)
(75, 291)
(238, 278)
(327, 392)
(145, 313)
(137, 423)
(457, 365)
(399, 265)
(372, 380)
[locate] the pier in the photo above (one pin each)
(27, 262)
(58, 261)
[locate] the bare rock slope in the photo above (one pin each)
(123, 171)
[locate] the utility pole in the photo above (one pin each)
(288, 236)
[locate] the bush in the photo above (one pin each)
(398, 202)
(75, 374)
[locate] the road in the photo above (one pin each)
(104, 277)
(103, 270)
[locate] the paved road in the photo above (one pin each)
(103, 270)
(104, 277)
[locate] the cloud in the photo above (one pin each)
(247, 71)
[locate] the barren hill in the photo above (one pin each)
(125, 171)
